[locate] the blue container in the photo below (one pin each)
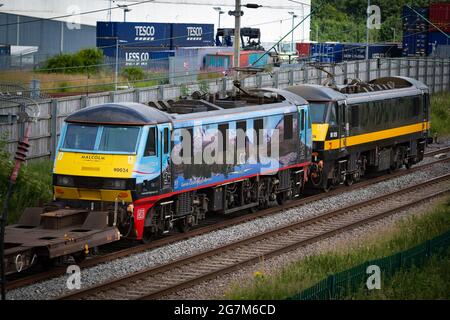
(412, 21)
(140, 34)
(5, 50)
(327, 52)
(255, 56)
(192, 35)
(415, 44)
(218, 62)
(146, 58)
(357, 51)
(438, 38)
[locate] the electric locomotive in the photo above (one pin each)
(378, 126)
(119, 158)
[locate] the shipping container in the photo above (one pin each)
(416, 44)
(200, 53)
(439, 44)
(327, 52)
(415, 32)
(438, 38)
(357, 51)
(146, 58)
(192, 35)
(263, 59)
(141, 34)
(5, 49)
(414, 22)
(5, 52)
(218, 62)
(440, 16)
(303, 49)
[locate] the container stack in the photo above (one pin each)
(5, 53)
(415, 32)
(438, 41)
(422, 38)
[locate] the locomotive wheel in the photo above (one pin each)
(182, 226)
(149, 235)
(281, 198)
(349, 180)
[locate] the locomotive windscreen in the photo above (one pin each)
(318, 112)
(120, 139)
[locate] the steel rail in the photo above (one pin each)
(133, 281)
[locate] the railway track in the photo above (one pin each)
(156, 282)
(208, 227)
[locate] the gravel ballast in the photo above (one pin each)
(53, 288)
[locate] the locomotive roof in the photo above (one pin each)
(313, 92)
(403, 86)
(140, 114)
(120, 113)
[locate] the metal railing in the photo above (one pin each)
(433, 72)
(348, 282)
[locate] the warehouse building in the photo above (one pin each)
(50, 27)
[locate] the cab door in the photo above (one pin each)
(305, 133)
(344, 126)
(164, 133)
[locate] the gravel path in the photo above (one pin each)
(55, 287)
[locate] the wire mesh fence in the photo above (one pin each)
(345, 283)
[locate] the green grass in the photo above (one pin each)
(306, 273)
(33, 187)
(440, 114)
(429, 282)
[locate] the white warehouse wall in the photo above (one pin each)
(273, 18)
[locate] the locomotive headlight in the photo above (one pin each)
(64, 181)
(115, 184)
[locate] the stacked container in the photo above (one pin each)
(303, 49)
(327, 52)
(357, 51)
(415, 32)
(440, 16)
(5, 53)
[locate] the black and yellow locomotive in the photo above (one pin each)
(378, 126)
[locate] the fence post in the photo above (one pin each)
(160, 93)
(53, 128)
(137, 95)
(223, 89)
(408, 70)
(368, 70)
(305, 74)
(84, 102)
(112, 97)
(276, 79)
(330, 285)
(357, 69)
(442, 75)
(258, 80)
(345, 70)
(389, 67)
(434, 75)
(291, 77)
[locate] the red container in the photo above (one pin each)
(244, 59)
(440, 16)
(303, 49)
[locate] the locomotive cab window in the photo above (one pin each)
(150, 147)
(318, 112)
